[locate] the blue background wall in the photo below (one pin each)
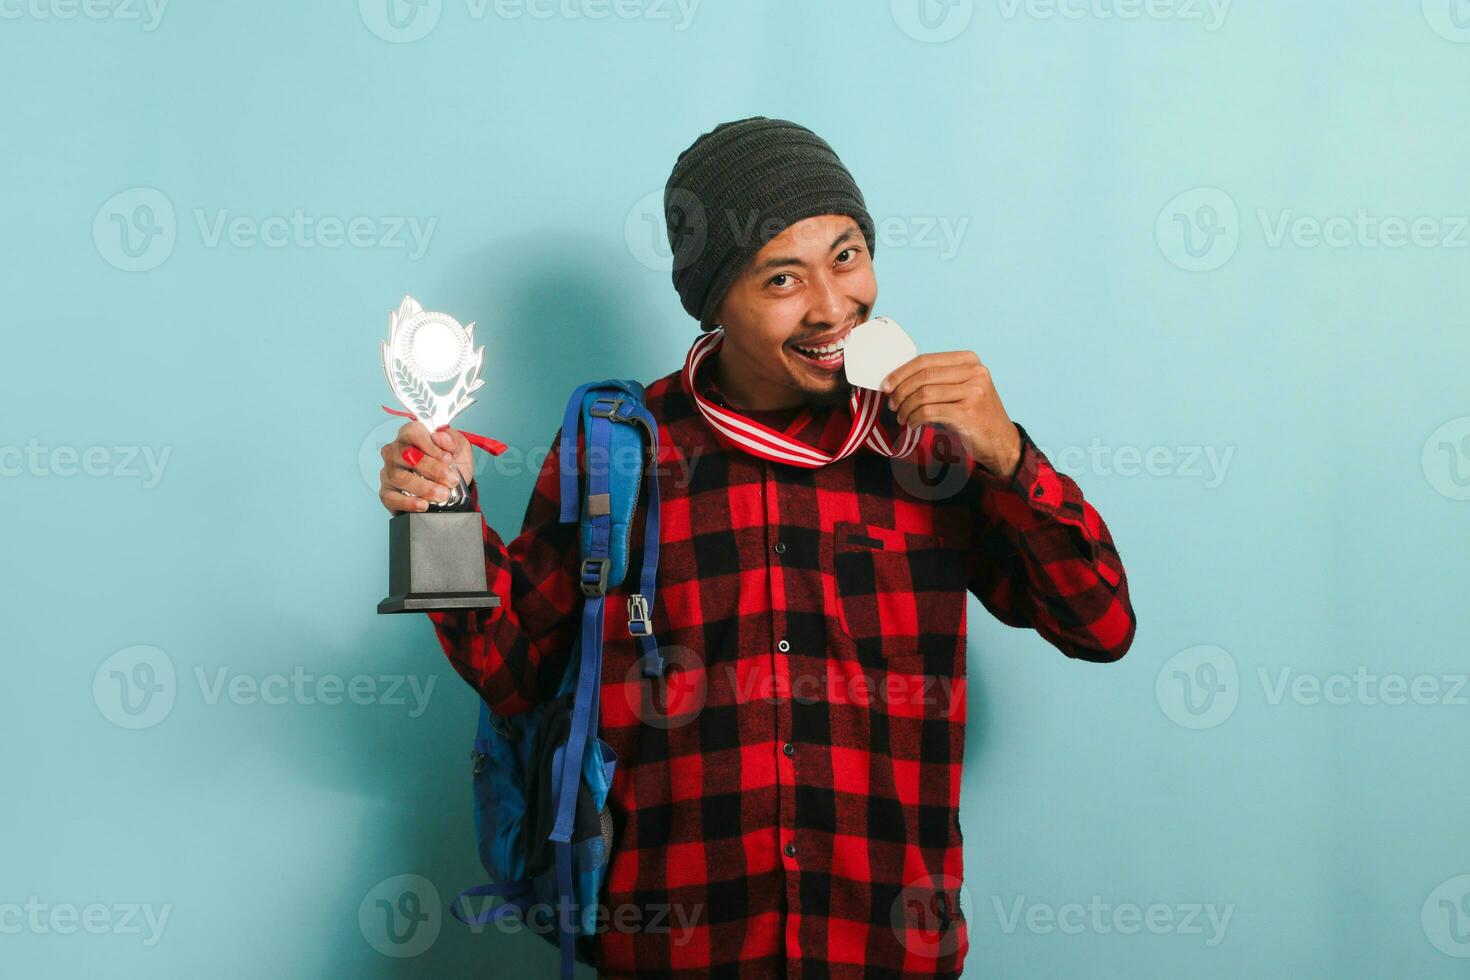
(1274, 423)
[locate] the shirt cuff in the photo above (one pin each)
(1034, 479)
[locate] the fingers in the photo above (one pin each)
(398, 503)
(402, 478)
(413, 435)
(943, 374)
(459, 449)
(923, 403)
(415, 448)
(434, 468)
(927, 362)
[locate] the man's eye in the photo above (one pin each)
(780, 275)
(845, 251)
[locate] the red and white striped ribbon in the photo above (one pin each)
(767, 443)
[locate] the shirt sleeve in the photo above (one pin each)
(1041, 557)
(515, 654)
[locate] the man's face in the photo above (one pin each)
(805, 289)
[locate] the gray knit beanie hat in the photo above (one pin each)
(737, 187)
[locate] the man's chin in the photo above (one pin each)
(833, 396)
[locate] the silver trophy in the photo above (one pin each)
(436, 559)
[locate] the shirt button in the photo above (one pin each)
(783, 646)
(789, 749)
(780, 547)
(791, 850)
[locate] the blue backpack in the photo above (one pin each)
(541, 779)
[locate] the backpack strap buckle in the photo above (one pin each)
(609, 407)
(594, 576)
(639, 623)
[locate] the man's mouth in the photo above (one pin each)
(826, 352)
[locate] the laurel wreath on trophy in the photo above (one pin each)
(411, 363)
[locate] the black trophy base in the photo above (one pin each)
(436, 561)
(432, 601)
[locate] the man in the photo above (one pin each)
(802, 818)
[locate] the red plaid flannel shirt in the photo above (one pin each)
(786, 798)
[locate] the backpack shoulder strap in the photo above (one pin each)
(614, 418)
(621, 439)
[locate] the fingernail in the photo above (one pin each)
(441, 493)
(887, 386)
(891, 406)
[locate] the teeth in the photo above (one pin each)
(825, 349)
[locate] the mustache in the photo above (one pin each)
(858, 317)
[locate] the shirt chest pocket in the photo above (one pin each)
(900, 597)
